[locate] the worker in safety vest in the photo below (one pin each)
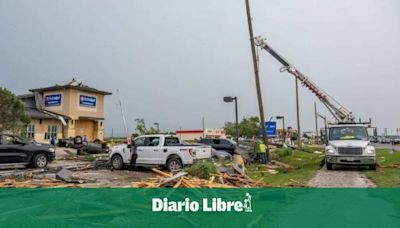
(261, 150)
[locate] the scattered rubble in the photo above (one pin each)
(395, 166)
(182, 180)
(274, 164)
(35, 183)
(64, 175)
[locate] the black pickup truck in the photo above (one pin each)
(220, 144)
(16, 150)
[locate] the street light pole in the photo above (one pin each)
(228, 100)
(237, 121)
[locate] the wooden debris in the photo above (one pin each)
(238, 169)
(278, 165)
(35, 183)
(395, 166)
(161, 172)
(171, 179)
(178, 184)
(181, 180)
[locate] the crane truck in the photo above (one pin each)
(347, 141)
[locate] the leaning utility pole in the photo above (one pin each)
(202, 122)
(258, 87)
(298, 114)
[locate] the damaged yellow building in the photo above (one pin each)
(64, 111)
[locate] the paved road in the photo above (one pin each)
(341, 177)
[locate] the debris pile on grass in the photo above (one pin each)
(183, 180)
(202, 170)
(204, 174)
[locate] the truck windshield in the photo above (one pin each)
(348, 133)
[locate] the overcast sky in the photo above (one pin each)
(174, 60)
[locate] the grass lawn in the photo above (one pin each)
(384, 176)
(304, 164)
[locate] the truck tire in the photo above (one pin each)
(40, 160)
(329, 166)
(117, 162)
(372, 167)
(174, 164)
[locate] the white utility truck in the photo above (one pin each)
(159, 150)
(348, 144)
(348, 141)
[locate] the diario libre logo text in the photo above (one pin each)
(204, 205)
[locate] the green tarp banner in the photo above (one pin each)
(200, 207)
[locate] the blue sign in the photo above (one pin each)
(87, 101)
(52, 100)
(270, 128)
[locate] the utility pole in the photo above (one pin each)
(316, 122)
(158, 127)
(325, 124)
(257, 78)
(298, 114)
(202, 122)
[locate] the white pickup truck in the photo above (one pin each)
(159, 150)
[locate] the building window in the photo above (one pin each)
(51, 132)
(29, 131)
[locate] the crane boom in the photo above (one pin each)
(335, 108)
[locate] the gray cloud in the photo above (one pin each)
(173, 61)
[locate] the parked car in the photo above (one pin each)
(159, 150)
(220, 154)
(16, 150)
(384, 140)
(373, 139)
(395, 140)
(220, 144)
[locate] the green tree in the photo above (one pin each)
(141, 127)
(12, 112)
(230, 128)
(248, 127)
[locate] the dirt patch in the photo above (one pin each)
(107, 178)
(345, 178)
